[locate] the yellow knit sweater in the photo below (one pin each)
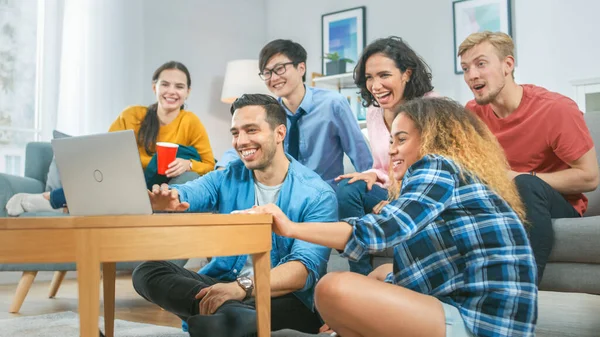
(186, 129)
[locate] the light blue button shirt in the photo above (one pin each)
(327, 131)
(304, 197)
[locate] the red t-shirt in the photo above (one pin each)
(543, 134)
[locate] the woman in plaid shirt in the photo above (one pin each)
(462, 261)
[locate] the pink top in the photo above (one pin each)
(379, 139)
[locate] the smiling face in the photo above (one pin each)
(171, 89)
(385, 81)
(253, 138)
(284, 85)
(485, 72)
(405, 145)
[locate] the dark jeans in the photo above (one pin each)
(173, 288)
(57, 198)
(355, 201)
(542, 204)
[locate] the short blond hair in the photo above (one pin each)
(502, 42)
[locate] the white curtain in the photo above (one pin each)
(92, 64)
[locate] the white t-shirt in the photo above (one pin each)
(263, 195)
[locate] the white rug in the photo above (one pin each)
(66, 324)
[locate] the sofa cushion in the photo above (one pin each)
(11, 184)
(41, 214)
(571, 277)
(567, 314)
(575, 240)
(38, 156)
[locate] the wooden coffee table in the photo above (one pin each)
(105, 240)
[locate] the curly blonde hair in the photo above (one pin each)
(449, 130)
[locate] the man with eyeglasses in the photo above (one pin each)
(321, 124)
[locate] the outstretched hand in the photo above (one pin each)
(164, 199)
(281, 224)
(368, 177)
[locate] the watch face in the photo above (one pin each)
(245, 282)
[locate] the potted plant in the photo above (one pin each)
(336, 64)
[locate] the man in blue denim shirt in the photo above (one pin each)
(326, 128)
(218, 300)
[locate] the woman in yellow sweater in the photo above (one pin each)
(163, 121)
(166, 121)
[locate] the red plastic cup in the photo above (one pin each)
(165, 155)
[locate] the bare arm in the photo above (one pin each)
(287, 278)
(581, 177)
(330, 234)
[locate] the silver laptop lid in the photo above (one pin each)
(102, 174)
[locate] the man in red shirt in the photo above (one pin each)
(547, 144)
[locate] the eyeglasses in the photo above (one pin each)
(278, 69)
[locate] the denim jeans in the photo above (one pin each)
(57, 198)
(355, 201)
(173, 288)
(542, 204)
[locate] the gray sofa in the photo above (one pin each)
(569, 296)
(38, 156)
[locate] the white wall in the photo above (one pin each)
(556, 41)
(425, 25)
(204, 35)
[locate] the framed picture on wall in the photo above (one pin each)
(342, 39)
(471, 16)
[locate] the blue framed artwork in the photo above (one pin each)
(343, 32)
(472, 16)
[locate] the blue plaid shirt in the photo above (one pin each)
(456, 239)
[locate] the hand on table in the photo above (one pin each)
(164, 199)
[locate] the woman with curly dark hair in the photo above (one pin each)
(388, 74)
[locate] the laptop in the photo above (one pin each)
(102, 174)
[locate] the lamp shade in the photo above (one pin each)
(241, 77)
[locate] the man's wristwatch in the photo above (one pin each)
(247, 284)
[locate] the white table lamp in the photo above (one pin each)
(241, 77)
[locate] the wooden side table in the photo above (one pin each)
(92, 241)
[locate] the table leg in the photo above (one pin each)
(88, 279)
(109, 271)
(262, 275)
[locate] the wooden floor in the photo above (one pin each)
(129, 305)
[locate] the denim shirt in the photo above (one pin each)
(304, 197)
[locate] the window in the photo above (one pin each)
(19, 122)
(13, 164)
